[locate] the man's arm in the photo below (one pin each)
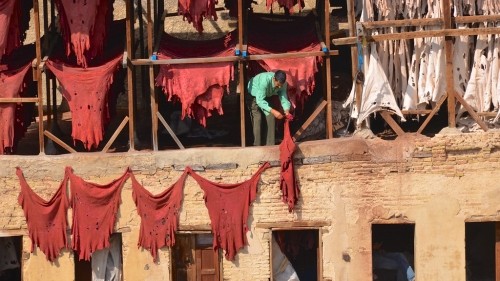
(285, 103)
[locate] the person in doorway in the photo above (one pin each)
(260, 88)
(392, 261)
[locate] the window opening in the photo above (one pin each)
(480, 246)
(194, 259)
(10, 258)
(295, 255)
(105, 264)
(393, 252)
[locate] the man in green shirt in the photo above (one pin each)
(261, 87)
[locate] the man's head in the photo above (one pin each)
(279, 78)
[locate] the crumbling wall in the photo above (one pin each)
(346, 184)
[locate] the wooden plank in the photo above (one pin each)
(292, 55)
(170, 131)
(419, 34)
(292, 224)
(429, 22)
(115, 134)
(309, 120)
(399, 23)
(417, 111)
(433, 111)
(390, 121)
(130, 75)
(185, 61)
(472, 19)
(18, 100)
(471, 111)
(487, 114)
(234, 58)
(59, 142)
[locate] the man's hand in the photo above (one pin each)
(276, 114)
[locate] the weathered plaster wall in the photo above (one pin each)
(347, 184)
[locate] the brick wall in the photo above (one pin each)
(346, 185)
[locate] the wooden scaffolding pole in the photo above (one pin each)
(38, 74)
(241, 69)
(448, 50)
(351, 19)
(328, 92)
(154, 103)
(130, 74)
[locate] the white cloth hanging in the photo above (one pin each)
(107, 263)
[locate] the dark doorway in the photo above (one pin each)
(480, 240)
(10, 258)
(393, 252)
(301, 249)
(104, 264)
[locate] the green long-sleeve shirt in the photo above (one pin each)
(262, 86)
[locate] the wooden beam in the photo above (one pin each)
(152, 90)
(292, 224)
(130, 75)
(399, 23)
(38, 48)
(433, 111)
(448, 51)
(328, 90)
(185, 61)
(59, 142)
(488, 114)
(115, 134)
(471, 111)
(233, 58)
(416, 111)
(419, 34)
(170, 131)
(351, 19)
(241, 70)
(309, 120)
(293, 55)
(390, 121)
(18, 100)
(429, 22)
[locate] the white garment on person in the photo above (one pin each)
(107, 263)
(282, 268)
(8, 256)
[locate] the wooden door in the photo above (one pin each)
(193, 258)
(207, 265)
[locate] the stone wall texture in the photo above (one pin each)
(347, 185)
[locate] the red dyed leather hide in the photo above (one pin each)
(159, 214)
(228, 207)
(94, 213)
(194, 11)
(199, 86)
(84, 26)
(11, 85)
(46, 220)
(86, 90)
(288, 184)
